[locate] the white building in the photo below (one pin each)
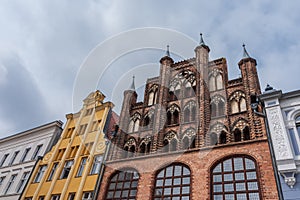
(19, 153)
(283, 116)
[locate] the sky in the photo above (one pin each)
(44, 46)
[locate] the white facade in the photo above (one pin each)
(19, 153)
(283, 116)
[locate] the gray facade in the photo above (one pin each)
(283, 116)
(19, 153)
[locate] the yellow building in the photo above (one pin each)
(71, 169)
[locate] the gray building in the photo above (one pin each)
(19, 153)
(283, 116)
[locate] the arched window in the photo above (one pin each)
(185, 143)
(235, 177)
(219, 82)
(152, 97)
(217, 106)
(223, 137)
(123, 185)
(189, 112)
(134, 123)
(173, 115)
(143, 148)
(173, 182)
(170, 142)
(238, 102)
(149, 120)
(237, 135)
(186, 117)
(246, 133)
(148, 148)
(215, 81)
(177, 91)
(213, 139)
(131, 151)
(213, 109)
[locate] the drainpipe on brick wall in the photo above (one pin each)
(274, 164)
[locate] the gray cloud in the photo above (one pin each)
(52, 39)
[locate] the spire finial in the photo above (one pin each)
(168, 51)
(132, 87)
(201, 40)
(245, 53)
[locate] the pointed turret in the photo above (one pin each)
(132, 86)
(246, 56)
(167, 58)
(202, 58)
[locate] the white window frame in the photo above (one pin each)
(10, 183)
(81, 166)
(52, 172)
(40, 173)
(55, 197)
(23, 158)
(97, 162)
(67, 167)
(22, 182)
(36, 152)
(87, 195)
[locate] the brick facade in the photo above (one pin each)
(191, 114)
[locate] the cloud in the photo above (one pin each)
(21, 101)
(52, 38)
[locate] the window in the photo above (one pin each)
(41, 197)
(123, 185)
(173, 182)
(1, 180)
(189, 112)
(60, 154)
(173, 115)
(81, 166)
(66, 170)
(40, 173)
(213, 139)
(87, 148)
(216, 81)
(134, 123)
(23, 181)
(70, 132)
(73, 151)
(87, 195)
(170, 142)
(3, 159)
(82, 129)
(148, 120)
(52, 172)
(36, 152)
(238, 102)
(237, 135)
(13, 158)
(217, 106)
(96, 164)
(11, 181)
(28, 198)
(95, 125)
(55, 197)
(71, 196)
(152, 96)
(235, 178)
(23, 158)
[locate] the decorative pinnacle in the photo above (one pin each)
(168, 51)
(245, 53)
(201, 40)
(132, 87)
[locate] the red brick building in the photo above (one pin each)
(194, 136)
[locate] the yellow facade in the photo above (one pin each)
(71, 169)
